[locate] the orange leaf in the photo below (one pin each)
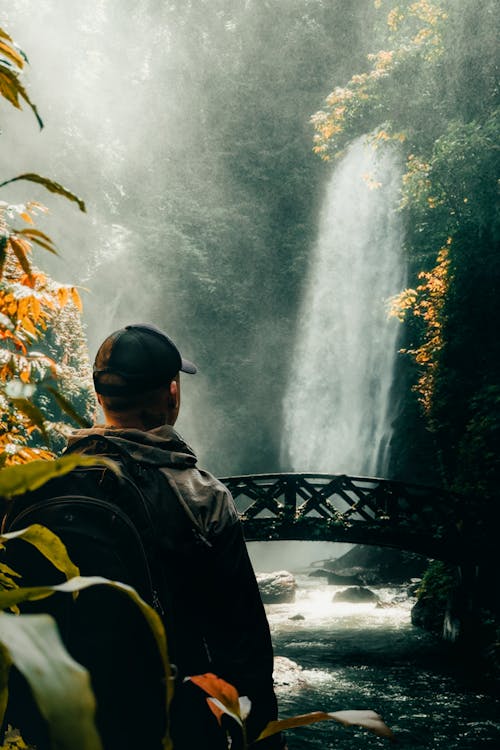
(12, 54)
(21, 248)
(215, 709)
(62, 295)
(25, 376)
(77, 301)
(220, 689)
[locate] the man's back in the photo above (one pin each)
(214, 616)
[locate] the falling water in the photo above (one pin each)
(337, 408)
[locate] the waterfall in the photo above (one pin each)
(337, 409)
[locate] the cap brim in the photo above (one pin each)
(188, 366)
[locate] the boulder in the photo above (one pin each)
(428, 613)
(319, 573)
(334, 579)
(277, 588)
(355, 595)
(377, 565)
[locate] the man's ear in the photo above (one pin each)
(173, 394)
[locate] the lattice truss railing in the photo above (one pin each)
(314, 505)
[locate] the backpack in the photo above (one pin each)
(107, 524)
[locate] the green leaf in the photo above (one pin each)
(366, 719)
(5, 663)
(16, 596)
(14, 480)
(48, 544)
(50, 185)
(61, 686)
(67, 407)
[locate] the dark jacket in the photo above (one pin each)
(216, 621)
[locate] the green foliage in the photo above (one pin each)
(61, 687)
(437, 582)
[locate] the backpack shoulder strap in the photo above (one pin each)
(102, 445)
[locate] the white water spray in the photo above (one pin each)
(337, 409)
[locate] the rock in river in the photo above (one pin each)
(355, 594)
(277, 588)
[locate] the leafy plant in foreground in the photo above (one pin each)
(29, 299)
(224, 700)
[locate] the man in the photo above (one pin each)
(216, 621)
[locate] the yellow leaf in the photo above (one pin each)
(48, 544)
(12, 54)
(15, 480)
(367, 719)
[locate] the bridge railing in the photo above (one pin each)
(327, 507)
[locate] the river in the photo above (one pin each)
(358, 656)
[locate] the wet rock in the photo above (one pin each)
(414, 587)
(428, 613)
(297, 617)
(377, 565)
(334, 579)
(277, 588)
(319, 573)
(385, 605)
(287, 673)
(356, 595)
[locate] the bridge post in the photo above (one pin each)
(290, 498)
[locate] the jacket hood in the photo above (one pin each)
(162, 446)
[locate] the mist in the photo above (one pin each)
(185, 128)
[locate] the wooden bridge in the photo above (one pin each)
(360, 510)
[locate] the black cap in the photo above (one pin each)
(143, 355)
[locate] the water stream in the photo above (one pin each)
(361, 656)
